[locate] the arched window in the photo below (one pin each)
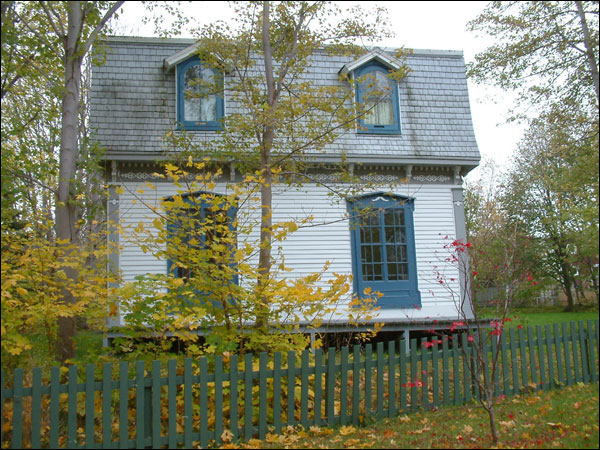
(378, 96)
(383, 248)
(199, 96)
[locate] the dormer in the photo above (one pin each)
(376, 92)
(199, 91)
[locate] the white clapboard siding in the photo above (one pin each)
(307, 250)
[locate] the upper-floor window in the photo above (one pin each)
(199, 96)
(378, 96)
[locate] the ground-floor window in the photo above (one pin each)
(383, 248)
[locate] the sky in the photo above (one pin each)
(422, 25)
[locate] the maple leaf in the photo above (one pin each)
(388, 433)
(345, 431)
(467, 429)
(507, 423)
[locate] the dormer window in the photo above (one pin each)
(199, 96)
(377, 95)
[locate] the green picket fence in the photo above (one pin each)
(202, 402)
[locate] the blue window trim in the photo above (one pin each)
(215, 125)
(397, 294)
(363, 128)
(171, 227)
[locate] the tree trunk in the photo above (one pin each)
(65, 210)
(567, 283)
(266, 190)
(493, 429)
(589, 50)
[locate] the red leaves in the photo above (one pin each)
(432, 343)
(456, 325)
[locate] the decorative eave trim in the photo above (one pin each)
(172, 61)
(376, 55)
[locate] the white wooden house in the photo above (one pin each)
(424, 141)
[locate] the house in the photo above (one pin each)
(420, 139)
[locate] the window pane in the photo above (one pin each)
(403, 272)
(199, 106)
(377, 272)
(366, 256)
(392, 271)
(391, 253)
(377, 256)
(401, 253)
(377, 99)
(388, 218)
(367, 272)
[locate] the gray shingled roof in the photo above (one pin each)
(133, 106)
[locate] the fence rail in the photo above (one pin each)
(151, 406)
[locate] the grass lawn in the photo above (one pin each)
(541, 316)
(563, 418)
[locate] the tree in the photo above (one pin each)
(283, 116)
(480, 344)
(545, 50)
(44, 46)
(488, 225)
(553, 194)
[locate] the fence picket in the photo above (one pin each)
(247, 397)
(456, 369)
(466, 354)
(532, 358)
(36, 408)
(139, 405)
(106, 405)
(402, 368)
(584, 356)
(277, 392)
(576, 362)
(233, 397)
(154, 407)
(391, 379)
(291, 386)
(54, 406)
(17, 428)
(514, 359)
(591, 352)
(380, 384)
(330, 387)
(172, 402)
(72, 408)
(318, 386)
(523, 353)
(568, 366)
(218, 399)
(548, 345)
(187, 403)
(344, 387)
(368, 371)
(355, 384)
(424, 374)
(414, 401)
(203, 366)
(559, 354)
(123, 404)
(446, 373)
(262, 393)
(90, 410)
(542, 361)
